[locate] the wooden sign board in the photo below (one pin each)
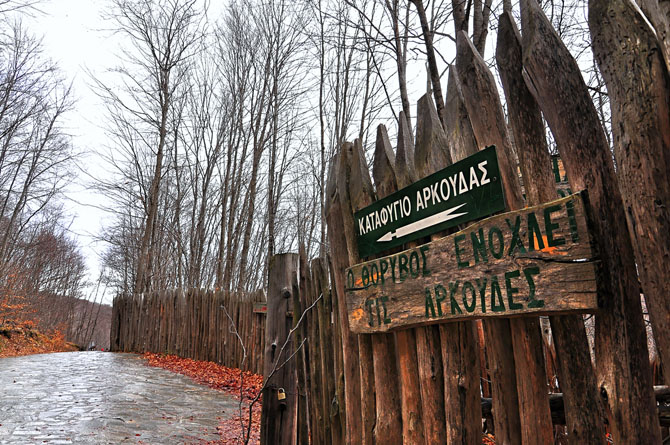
(538, 260)
(260, 307)
(465, 191)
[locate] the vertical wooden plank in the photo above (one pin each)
(389, 419)
(532, 415)
(319, 423)
(355, 191)
(277, 421)
(622, 360)
(583, 409)
(300, 285)
(335, 214)
(408, 362)
(630, 57)
(338, 403)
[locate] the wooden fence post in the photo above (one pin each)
(278, 417)
(583, 410)
(622, 357)
(340, 260)
(630, 57)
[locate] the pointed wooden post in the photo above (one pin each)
(460, 137)
(405, 171)
(353, 177)
(583, 410)
(350, 353)
(629, 55)
(328, 375)
(622, 360)
(489, 127)
(278, 421)
(462, 388)
(384, 174)
(430, 154)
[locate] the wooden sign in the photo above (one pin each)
(464, 191)
(260, 307)
(538, 260)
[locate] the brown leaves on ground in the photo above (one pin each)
(225, 379)
(25, 341)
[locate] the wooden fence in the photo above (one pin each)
(192, 324)
(425, 384)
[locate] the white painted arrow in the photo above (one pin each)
(432, 220)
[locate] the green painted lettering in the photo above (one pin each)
(496, 252)
(481, 287)
(350, 279)
(529, 272)
(365, 276)
(479, 246)
(374, 273)
(534, 234)
(512, 290)
(467, 286)
(461, 264)
(384, 267)
(393, 260)
(496, 293)
(425, 271)
(379, 314)
(440, 296)
(430, 309)
(414, 261)
(384, 299)
(549, 226)
(368, 306)
(402, 267)
(453, 287)
(516, 240)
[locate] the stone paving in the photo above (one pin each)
(103, 398)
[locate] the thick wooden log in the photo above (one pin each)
(405, 171)
(328, 371)
(388, 423)
(406, 339)
(577, 378)
(431, 154)
(461, 384)
(489, 127)
(278, 422)
(339, 258)
(384, 348)
(460, 137)
(299, 286)
(630, 58)
(622, 358)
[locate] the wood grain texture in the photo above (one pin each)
(629, 55)
(584, 411)
(427, 284)
(622, 357)
(351, 388)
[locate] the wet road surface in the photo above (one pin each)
(103, 398)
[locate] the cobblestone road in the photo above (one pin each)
(103, 398)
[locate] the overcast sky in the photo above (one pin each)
(76, 36)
